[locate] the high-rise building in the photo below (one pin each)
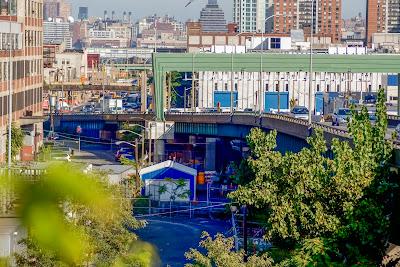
(250, 15)
(65, 10)
(212, 18)
(83, 13)
(296, 14)
(57, 9)
(51, 9)
(57, 32)
(23, 36)
(383, 16)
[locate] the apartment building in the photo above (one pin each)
(21, 31)
(383, 16)
(296, 14)
(250, 15)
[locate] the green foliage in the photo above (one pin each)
(73, 219)
(175, 82)
(220, 253)
(243, 174)
(333, 210)
(45, 153)
(17, 140)
(129, 137)
(142, 254)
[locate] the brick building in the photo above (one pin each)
(23, 22)
(296, 14)
(383, 16)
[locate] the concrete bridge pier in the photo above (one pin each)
(159, 150)
(211, 150)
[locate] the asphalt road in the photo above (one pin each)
(173, 237)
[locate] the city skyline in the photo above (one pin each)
(175, 8)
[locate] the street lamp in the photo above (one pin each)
(10, 89)
(261, 62)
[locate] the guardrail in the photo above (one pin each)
(287, 118)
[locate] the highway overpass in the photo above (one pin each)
(235, 125)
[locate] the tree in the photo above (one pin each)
(17, 140)
(344, 203)
(175, 82)
(220, 253)
(73, 219)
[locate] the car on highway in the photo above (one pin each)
(87, 108)
(341, 116)
(300, 112)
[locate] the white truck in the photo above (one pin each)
(113, 105)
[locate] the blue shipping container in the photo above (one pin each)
(392, 80)
(271, 100)
(224, 99)
(319, 102)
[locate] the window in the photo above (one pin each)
(216, 86)
(318, 88)
(275, 43)
(287, 87)
(266, 87)
(7, 8)
(226, 86)
(236, 86)
(328, 87)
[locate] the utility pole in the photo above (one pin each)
(398, 94)
(169, 91)
(137, 157)
(279, 95)
(184, 100)
(310, 87)
(193, 89)
(150, 143)
(232, 84)
(10, 89)
(103, 70)
(143, 144)
(245, 232)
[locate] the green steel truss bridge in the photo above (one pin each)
(188, 62)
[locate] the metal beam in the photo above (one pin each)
(187, 62)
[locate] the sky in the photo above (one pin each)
(176, 8)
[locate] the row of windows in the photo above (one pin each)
(21, 100)
(33, 9)
(10, 38)
(286, 86)
(21, 69)
(33, 38)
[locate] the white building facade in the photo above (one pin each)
(250, 15)
(245, 87)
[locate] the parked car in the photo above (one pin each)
(340, 116)
(127, 156)
(300, 112)
(123, 151)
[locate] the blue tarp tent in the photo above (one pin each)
(156, 174)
